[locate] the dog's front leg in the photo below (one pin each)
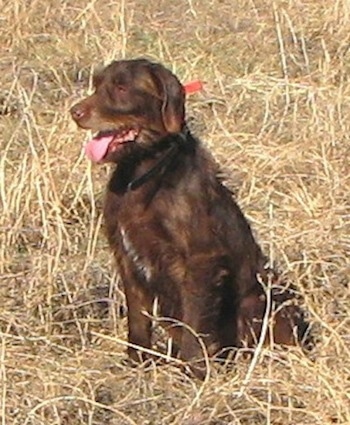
(139, 304)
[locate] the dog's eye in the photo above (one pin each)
(120, 89)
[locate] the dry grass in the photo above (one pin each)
(275, 112)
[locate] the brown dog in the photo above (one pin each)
(174, 228)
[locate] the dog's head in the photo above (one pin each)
(135, 103)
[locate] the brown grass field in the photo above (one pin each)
(276, 113)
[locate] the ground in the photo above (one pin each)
(274, 111)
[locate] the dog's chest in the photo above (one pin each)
(130, 248)
(148, 239)
(152, 236)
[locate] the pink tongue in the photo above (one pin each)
(96, 148)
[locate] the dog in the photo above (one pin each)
(175, 230)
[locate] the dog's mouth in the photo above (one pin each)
(109, 141)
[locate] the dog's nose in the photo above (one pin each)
(78, 112)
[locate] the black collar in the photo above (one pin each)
(161, 164)
(169, 149)
(183, 141)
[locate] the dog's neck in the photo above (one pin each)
(133, 173)
(158, 168)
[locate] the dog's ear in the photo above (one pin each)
(173, 97)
